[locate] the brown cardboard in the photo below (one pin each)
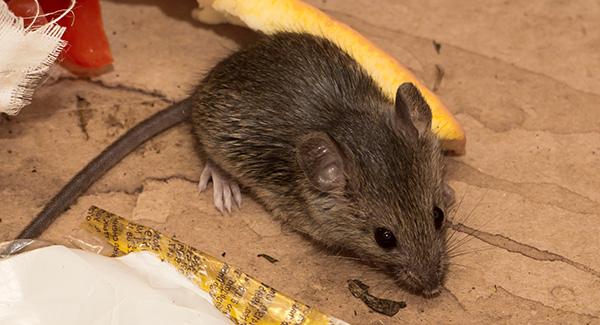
(522, 78)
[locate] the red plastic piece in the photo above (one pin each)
(88, 51)
(27, 9)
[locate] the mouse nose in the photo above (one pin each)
(430, 292)
(428, 284)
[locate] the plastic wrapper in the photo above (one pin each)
(57, 285)
(239, 297)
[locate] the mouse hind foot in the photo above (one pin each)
(225, 190)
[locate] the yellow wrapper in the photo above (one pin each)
(272, 16)
(242, 298)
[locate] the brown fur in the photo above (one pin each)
(253, 108)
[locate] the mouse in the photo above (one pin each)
(299, 125)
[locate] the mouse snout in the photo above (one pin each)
(432, 289)
(425, 282)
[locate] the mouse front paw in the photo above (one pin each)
(225, 190)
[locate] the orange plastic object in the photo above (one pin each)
(88, 51)
(27, 9)
(270, 17)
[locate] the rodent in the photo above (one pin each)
(300, 125)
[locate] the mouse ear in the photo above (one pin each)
(320, 159)
(412, 111)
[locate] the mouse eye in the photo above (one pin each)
(385, 238)
(438, 218)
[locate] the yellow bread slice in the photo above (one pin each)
(271, 16)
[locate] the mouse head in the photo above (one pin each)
(379, 193)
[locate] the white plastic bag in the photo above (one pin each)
(58, 285)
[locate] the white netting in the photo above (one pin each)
(26, 54)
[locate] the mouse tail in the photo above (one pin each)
(128, 142)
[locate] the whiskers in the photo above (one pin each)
(455, 243)
(452, 265)
(356, 261)
(349, 258)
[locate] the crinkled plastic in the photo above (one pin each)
(242, 298)
(59, 285)
(56, 285)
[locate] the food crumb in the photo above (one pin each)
(437, 46)
(268, 258)
(382, 306)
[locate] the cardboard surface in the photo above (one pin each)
(524, 81)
